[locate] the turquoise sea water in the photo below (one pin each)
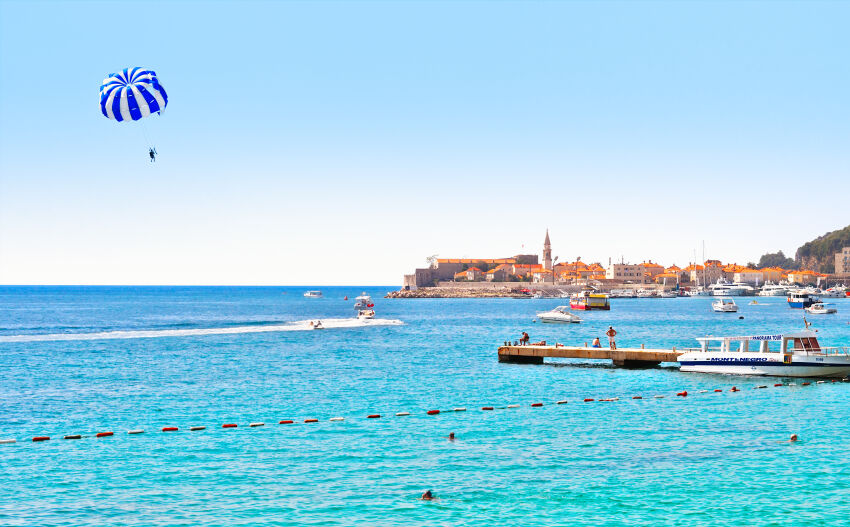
(707, 459)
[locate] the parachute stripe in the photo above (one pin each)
(125, 108)
(132, 94)
(152, 106)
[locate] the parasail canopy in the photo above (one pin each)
(132, 94)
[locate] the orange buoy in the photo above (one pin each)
(682, 394)
(734, 389)
(588, 400)
(170, 429)
(777, 384)
(486, 407)
(104, 434)
(637, 397)
(536, 404)
(718, 390)
(806, 383)
(432, 412)
(373, 416)
(286, 422)
(229, 425)
(41, 438)
(311, 420)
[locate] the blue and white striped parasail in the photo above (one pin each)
(132, 94)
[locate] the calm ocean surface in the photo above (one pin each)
(708, 459)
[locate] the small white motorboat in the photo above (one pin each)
(796, 355)
(559, 315)
(819, 308)
(313, 294)
(723, 305)
(363, 301)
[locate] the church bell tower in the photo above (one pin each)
(547, 252)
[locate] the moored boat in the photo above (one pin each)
(791, 355)
(724, 306)
(313, 294)
(588, 300)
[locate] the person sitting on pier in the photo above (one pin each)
(596, 343)
(524, 339)
(611, 334)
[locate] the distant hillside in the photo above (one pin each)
(819, 254)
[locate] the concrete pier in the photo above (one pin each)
(625, 357)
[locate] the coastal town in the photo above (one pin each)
(524, 274)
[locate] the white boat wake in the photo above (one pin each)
(304, 325)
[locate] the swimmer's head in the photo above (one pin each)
(793, 437)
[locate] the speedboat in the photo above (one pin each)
(560, 314)
(313, 294)
(790, 355)
(668, 294)
(801, 299)
(724, 306)
(819, 308)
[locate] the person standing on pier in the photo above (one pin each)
(611, 334)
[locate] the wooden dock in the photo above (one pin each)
(625, 357)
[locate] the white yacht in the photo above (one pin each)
(313, 294)
(560, 314)
(791, 355)
(838, 291)
(769, 289)
(819, 308)
(724, 306)
(724, 288)
(698, 291)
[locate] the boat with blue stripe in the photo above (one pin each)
(801, 299)
(796, 354)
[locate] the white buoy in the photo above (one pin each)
(256, 424)
(460, 409)
(337, 418)
(7, 441)
(137, 431)
(659, 396)
(703, 391)
(513, 406)
(401, 414)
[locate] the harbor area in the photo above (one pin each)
(623, 357)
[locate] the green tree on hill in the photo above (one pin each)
(777, 259)
(819, 254)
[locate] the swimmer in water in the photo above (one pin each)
(427, 496)
(451, 436)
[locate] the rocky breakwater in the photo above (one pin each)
(457, 292)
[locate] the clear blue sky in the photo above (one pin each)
(343, 142)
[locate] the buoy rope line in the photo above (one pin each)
(539, 404)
